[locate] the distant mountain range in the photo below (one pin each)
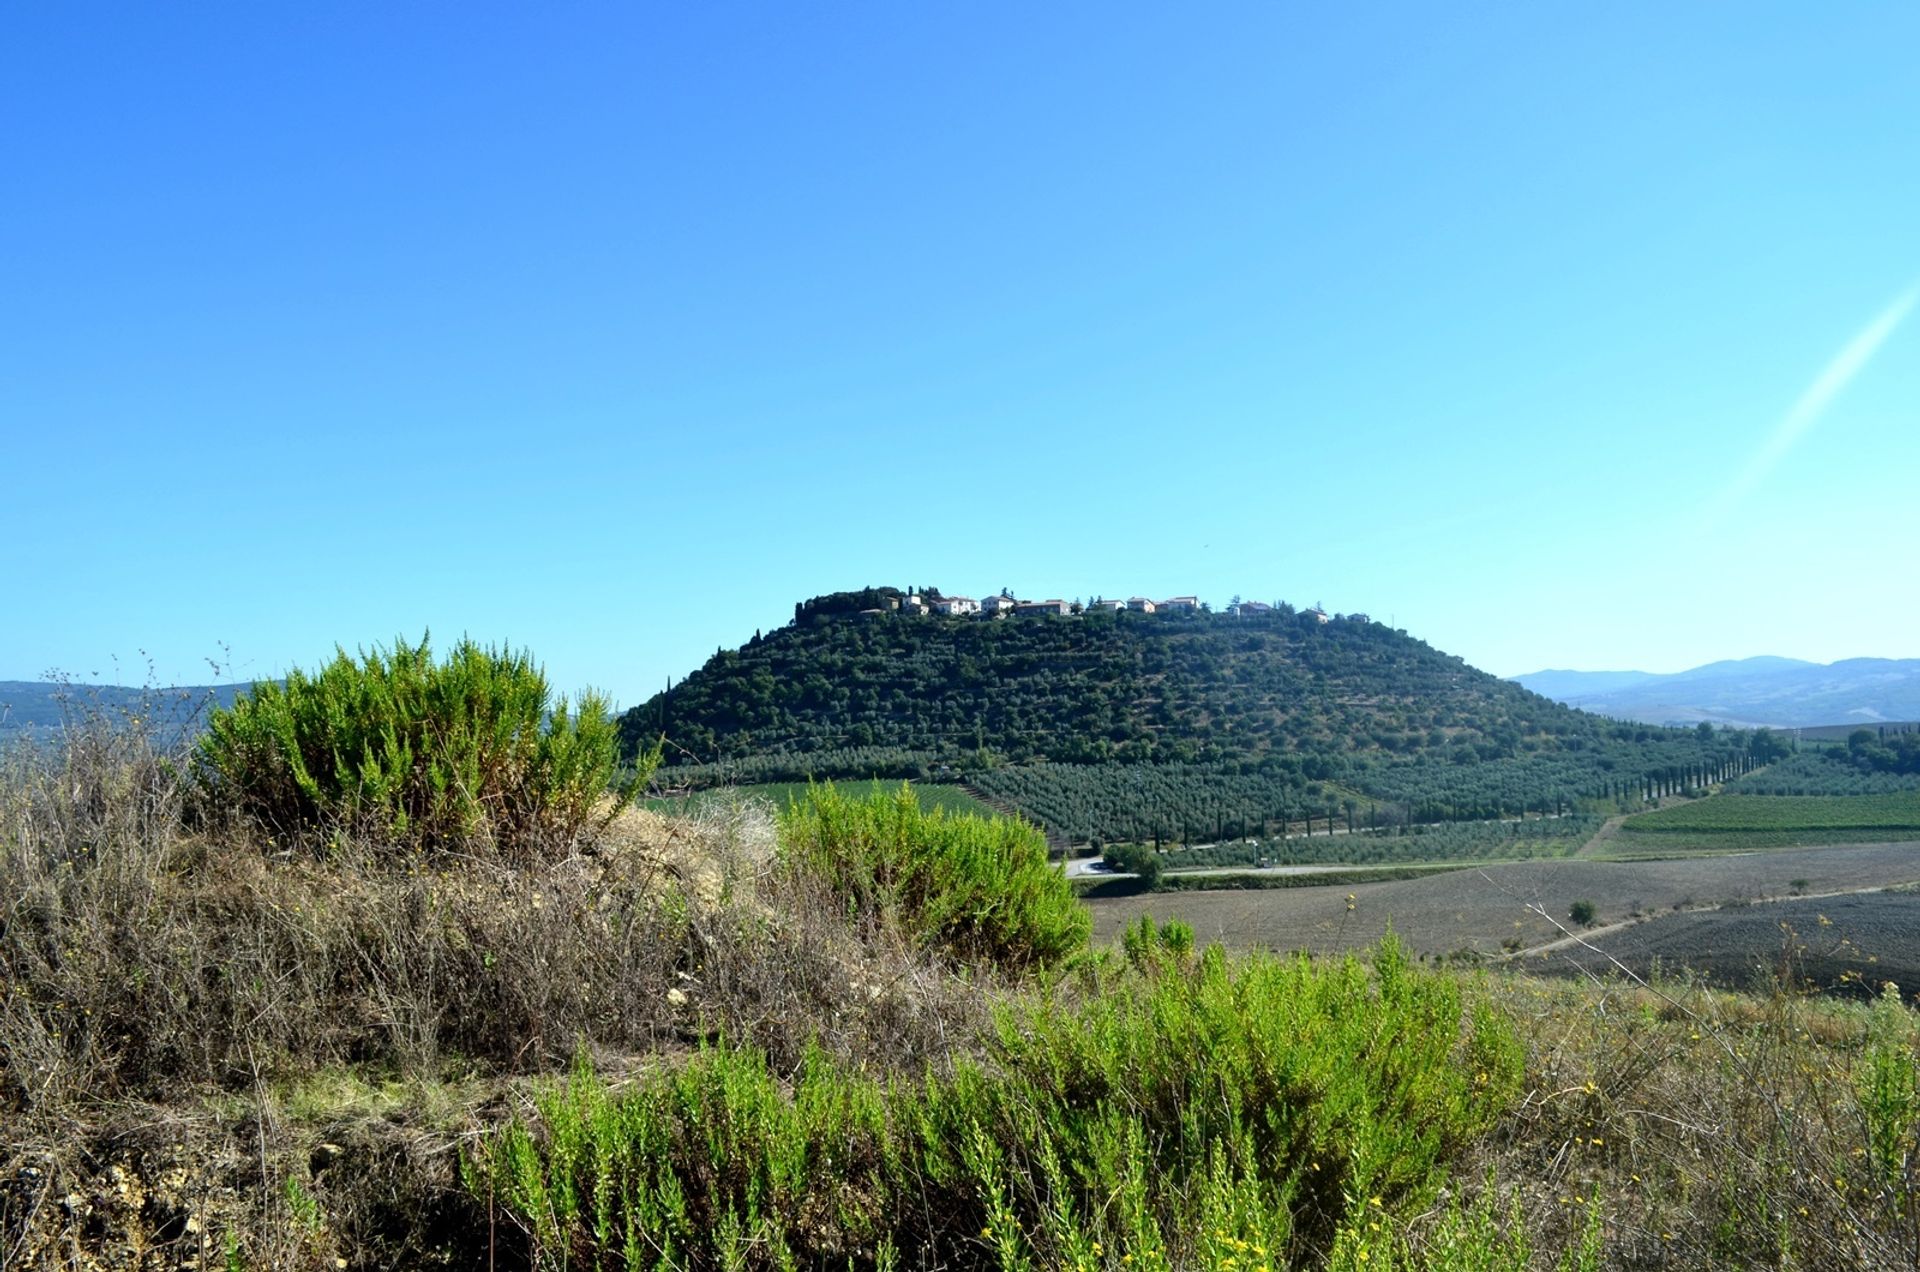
(1778, 692)
(41, 705)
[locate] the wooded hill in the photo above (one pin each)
(1287, 713)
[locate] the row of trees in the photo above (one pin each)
(1166, 803)
(1185, 803)
(1822, 771)
(1878, 752)
(1460, 841)
(1178, 803)
(1630, 768)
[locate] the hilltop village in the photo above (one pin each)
(930, 601)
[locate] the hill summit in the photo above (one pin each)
(879, 682)
(879, 668)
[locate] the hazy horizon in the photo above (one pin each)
(97, 677)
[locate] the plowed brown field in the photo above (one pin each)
(1852, 942)
(1481, 908)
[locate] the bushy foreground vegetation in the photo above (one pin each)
(419, 753)
(1179, 1113)
(218, 1052)
(973, 889)
(194, 1022)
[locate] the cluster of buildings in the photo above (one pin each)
(1003, 605)
(1250, 609)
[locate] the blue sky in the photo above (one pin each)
(1570, 337)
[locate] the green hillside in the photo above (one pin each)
(1155, 725)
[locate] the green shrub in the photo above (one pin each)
(422, 755)
(1178, 1115)
(978, 889)
(1581, 912)
(1141, 861)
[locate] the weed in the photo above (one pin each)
(303, 1207)
(1888, 1086)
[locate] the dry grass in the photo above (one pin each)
(175, 999)
(1708, 1129)
(216, 1053)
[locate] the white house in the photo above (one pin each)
(956, 605)
(1175, 603)
(995, 606)
(913, 604)
(1319, 615)
(1044, 607)
(1140, 605)
(1107, 605)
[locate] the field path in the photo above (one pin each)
(1578, 938)
(1607, 929)
(1611, 826)
(1608, 830)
